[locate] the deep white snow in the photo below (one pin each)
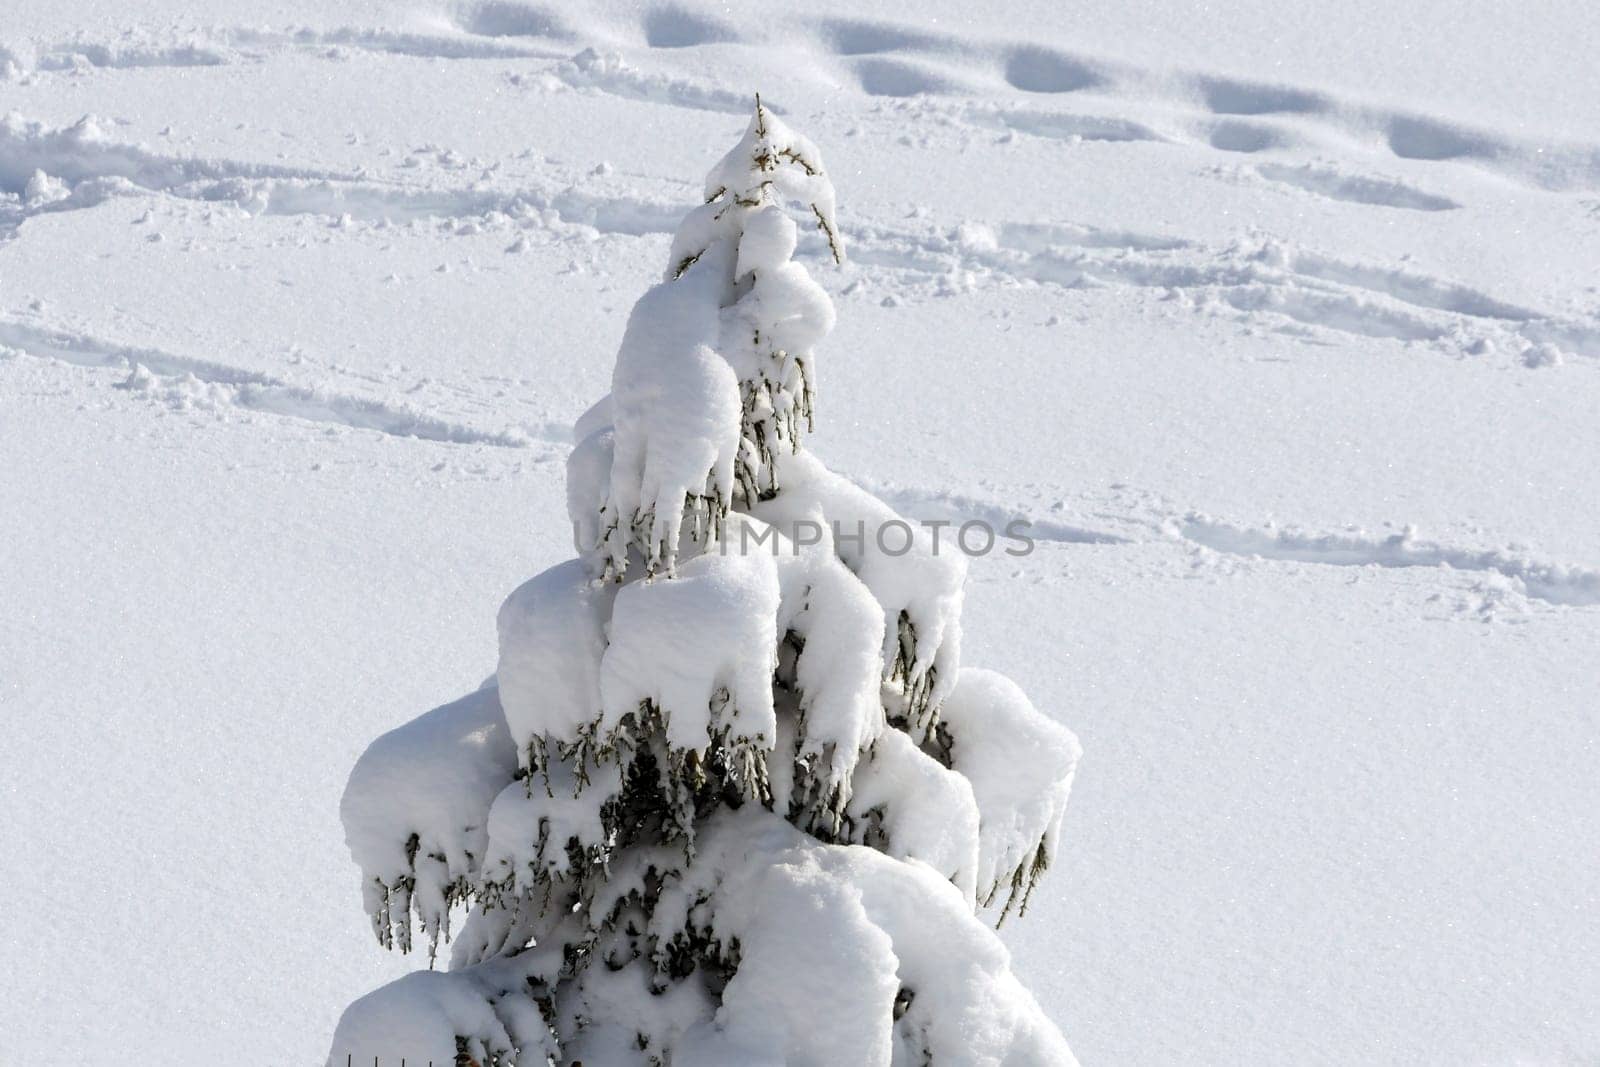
(1279, 321)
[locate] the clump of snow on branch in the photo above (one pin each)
(918, 589)
(1021, 766)
(676, 432)
(691, 661)
(833, 639)
(416, 813)
(552, 638)
(886, 952)
(908, 805)
(440, 1017)
(554, 831)
(731, 777)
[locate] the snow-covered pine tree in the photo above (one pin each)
(730, 798)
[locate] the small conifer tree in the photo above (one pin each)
(730, 797)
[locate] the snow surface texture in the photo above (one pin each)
(643, 857)
(1277, 319)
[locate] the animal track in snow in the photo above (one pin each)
(670, 26)
(881, 76)
(1550, 582)
(69, 56)
(607, 73)
(464, 44)
(1346, 312)
(1411, 137)
(1044, 70)
(854, 37)
(83, 151)
(1061, 126)
(498, 18)
(938, 505)
(1235, 136)
(1409, 288)
(1224, 96)
(1041, 236)
(1308, 287)
(1553, 583)
(96, 167)
(193, 381)
(1030, 68)
(1354, 188)
(887, 66)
